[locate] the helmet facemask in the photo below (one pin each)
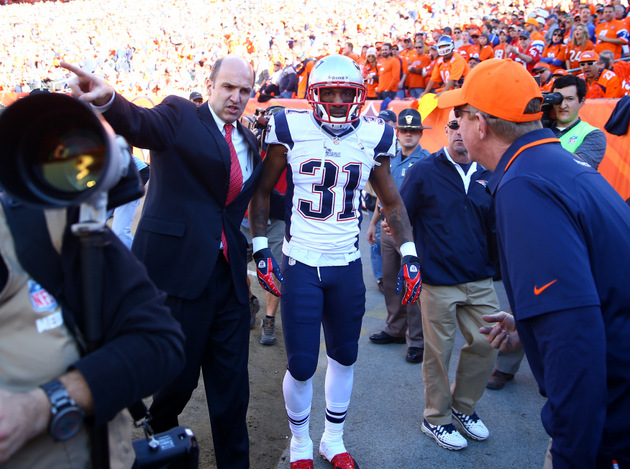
(338, 115)
(445, 46)
(339, 72)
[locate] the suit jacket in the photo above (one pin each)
(179, 234)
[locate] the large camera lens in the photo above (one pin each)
(70, 161)
(55, 152)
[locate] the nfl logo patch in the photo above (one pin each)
(573, 139)
(40, 298)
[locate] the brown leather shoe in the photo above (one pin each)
(498, 379)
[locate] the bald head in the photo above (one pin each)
(231, 61)
(231, 84)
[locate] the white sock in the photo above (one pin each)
(297, 398)
(339, 379)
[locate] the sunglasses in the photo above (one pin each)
(582, 64)
(453, 125)
(459, 113)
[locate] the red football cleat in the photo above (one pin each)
(344, 461)
(302, 464)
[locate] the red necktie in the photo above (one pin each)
(236, 179)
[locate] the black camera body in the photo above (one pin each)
(176, 449)
(549, 101)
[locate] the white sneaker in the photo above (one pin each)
(472, 425)
(445, 435)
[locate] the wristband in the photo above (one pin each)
(260, 242)
(408, 249)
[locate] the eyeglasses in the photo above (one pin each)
(419, 47)
(459, 113)
(453, 125)
(557, 34)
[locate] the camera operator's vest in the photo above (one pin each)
(36, 347)
(575, 136)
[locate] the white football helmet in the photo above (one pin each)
(336, 71)
(445, 45)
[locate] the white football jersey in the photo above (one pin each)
(325, 175)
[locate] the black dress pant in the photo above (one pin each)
(216, 327)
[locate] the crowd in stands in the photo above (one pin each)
(145, 49)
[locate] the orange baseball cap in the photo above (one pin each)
(501, 88)
(589, 56)
(532, 21)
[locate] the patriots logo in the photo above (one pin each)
(483, 182)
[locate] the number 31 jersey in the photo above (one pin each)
(325, 175)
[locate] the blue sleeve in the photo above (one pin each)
(567, 354)
(546, 59)
(386, 144)
(544, 247)
(557, 63)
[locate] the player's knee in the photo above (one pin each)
(302, 367)
(345, 355)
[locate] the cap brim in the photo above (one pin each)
(452, 98)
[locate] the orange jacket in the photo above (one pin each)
(611, 30)
(573, 54)
(370, 74)
(451, 69)
(607, 85)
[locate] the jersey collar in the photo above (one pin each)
(536, 137)
(343, 133)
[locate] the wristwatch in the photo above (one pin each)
(67, 415)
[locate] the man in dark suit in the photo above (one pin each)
(189, 237)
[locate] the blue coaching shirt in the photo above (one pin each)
(564, 244)
(452, 226)
(556, 219)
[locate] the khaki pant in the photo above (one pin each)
(548, 459)
(443, 308)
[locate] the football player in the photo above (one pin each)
(330, 153)
(450, 69)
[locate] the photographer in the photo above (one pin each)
(142, 347)
(576, 136)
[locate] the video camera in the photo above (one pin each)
(56, 152)
(549, 101)
(257, 122)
